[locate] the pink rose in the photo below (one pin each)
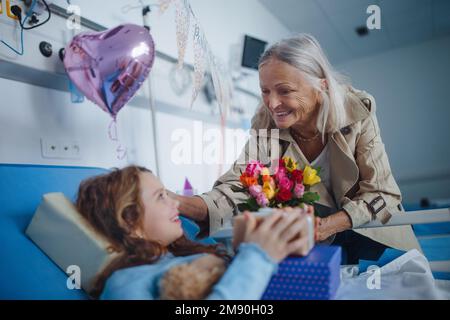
(280, 173)
(255, 190)
(262, 200)
(254, 168)
(299, 190)
(285, 184)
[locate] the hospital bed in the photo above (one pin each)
(27, 273)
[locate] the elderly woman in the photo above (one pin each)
(324, 122)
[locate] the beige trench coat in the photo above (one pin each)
(362, 182)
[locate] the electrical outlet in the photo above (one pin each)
(70, 150)
(60, 149)
(49, 149)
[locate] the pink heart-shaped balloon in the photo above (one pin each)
(108, 67)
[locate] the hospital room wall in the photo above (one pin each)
(411, 89)
(30, 113)
(224, 24)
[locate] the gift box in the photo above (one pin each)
(313, 277)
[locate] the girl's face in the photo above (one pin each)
(289, 98)
(161, 220)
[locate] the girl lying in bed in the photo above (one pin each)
(132, 209)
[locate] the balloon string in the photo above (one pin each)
(112, 130)
(121, 151)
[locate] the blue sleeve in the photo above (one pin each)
(247, 276)
(123, 287)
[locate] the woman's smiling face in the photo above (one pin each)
(289, 98)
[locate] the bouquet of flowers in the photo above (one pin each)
(288, 187)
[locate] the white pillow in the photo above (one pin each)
(65, 236)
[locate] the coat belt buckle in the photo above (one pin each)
(373, 203)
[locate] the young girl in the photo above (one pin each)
(132, 209)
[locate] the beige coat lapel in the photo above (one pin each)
(343, 168)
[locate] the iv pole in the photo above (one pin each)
(146, 17)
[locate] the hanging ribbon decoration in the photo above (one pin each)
(204, 60)
(199, 62)
(182, 23)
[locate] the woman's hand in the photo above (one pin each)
(191, 207)
(326, 227)
(277, 234)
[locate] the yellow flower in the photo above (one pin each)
(290, 164)
(268, 190)
(310, 176)
(265, 172)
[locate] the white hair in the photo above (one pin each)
(304, 52)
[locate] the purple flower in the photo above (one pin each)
(255, 190)
(262, 200)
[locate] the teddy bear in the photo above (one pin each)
(193, 280)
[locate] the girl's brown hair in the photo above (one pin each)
(111, 203)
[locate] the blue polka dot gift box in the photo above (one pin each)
(314, 277)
